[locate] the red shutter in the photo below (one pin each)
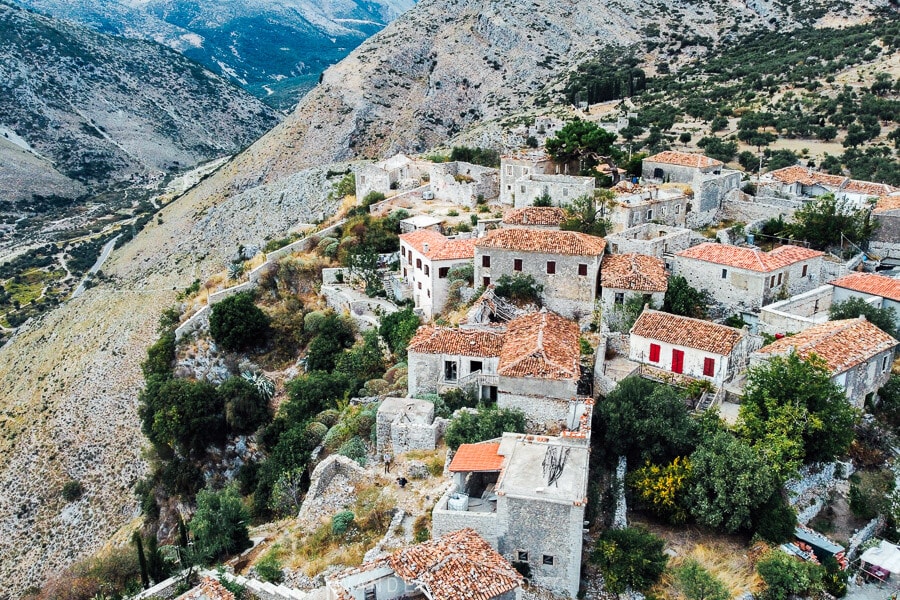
(654, 352)
(709, 366)
(677, 361)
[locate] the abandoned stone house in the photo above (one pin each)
(624, 277)
(650, 239)
(710, 182)
(532, 364)
(636, 204)
(415, 222)
(404, 424)
(534, 217)
(672, 345)
(397, 172)
(526, 495)
(426, 258)
(518, 165)
(804, 182)
(457, 565)
(885, 242)
(745, 279)
(463, 183)
(565, 263)
(561, 189)
(858, 354)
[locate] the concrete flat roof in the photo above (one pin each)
(525, 474)
(422, 221)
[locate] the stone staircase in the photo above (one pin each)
(266, 590)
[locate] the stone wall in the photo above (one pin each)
(650, 239)
(744, 211)
(324, 474)
(808, 492)
(197, 321)
(562, 189)
(485, 183)
(711, 190)
(797, 313)
(444, 521)
(885, 241)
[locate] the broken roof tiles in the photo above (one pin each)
(751, 259)
(636, 272)
(687, 332)
(542, 345)
(572, 243)
(535, 215)
(430, 339)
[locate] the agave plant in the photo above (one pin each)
(264, 385)
(235, 270)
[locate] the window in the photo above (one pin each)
(565, 192)
(450, 370)
(709, 366)
(522, 189)
(443, 272)
(649, 215)
(779, 278)
(420, 285)
(426, 270)
(803, 274)
(551, 267)
(724, 273)
(662, 209)
(486, 261)
(677, 209)
(404, 271)
(654, 352)
(509, 169)
(522, 556)
(772, 282)
(402, 250)
(884, 364)
(547, 560)
(678, 361)
(475, 365)
(582, 269)
(429, 293)
(620, 298)
(485, 281)
(418, 263)
(517, 264)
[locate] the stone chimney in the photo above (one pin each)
(425, 248)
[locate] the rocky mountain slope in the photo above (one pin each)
(85, 111)
(275, 49)
(443, 66)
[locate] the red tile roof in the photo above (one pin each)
(871, 283)
(841, 344)
(887, 203)
(684, 159)
(470, 458)
(637, 272)
(749, 258)
(208, 589)
(869, 188)
(543, 345)
(465, 342)
(687, 332)
(805, 176)
(543, 241)
(439, 247)
(535, 215)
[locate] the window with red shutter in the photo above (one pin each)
(709, 366)
(654, 352)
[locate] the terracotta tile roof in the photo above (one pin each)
(535, 215)
(457, 566)
(637, 272)
(869, 188)
(887, 203)
(805, 176)
(209, 589)
(687, 332)
(871, 283)
(476, 457)
(684, 159)
(543, 345)
(841, 344)
(439, 247)
(749, 258)
(448, 340)
(543, 241)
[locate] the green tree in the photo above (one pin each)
(220, 523)
(822, 222)
(718, 148)
(312, 393)
(246, 409)
(587, 214)
(363, 361)
(488, 423)
(584, 141)
(729, 481)
(485, 157)
(519, 287)
(697, 583)
(160, 357)
(775, 520)
(682, 299)
(183, 414)
(888, 408)
(362, 261)
(882, 318)
(236, 323)
(543, 200)
(786, 576)
(398, 328)
(645, 421)
(792, 411)
(346, 186)
(335, 334)
(629, 558)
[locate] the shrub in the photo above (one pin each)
(220, 523)
(775, 520)
(486, 424)
(329, 417)
(785, 576)
(519, 287)
(421, 532)
(629, 558)
(372, 198)
(398, 328)
(341, 522)
(245, 408)
(236, 323)
(696, 583)
(354, 448)
(269, 567)
(72, 490)
(662, 488)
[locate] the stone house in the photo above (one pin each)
(532, 364)
(627, 276)
(404, 424)
(534, 217)
(804, 182)
(518, 165)
(885, 242)
(426, 258)
(636, 204)
(565, 263)
(672, 345)
(745, 279)
(415, 222)
(397, 172)
(878, 290)
(710, 182)
(463, 183)
(526, 495)
(562, 189)
(858, 354)
(457, 565)
(650, 239)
